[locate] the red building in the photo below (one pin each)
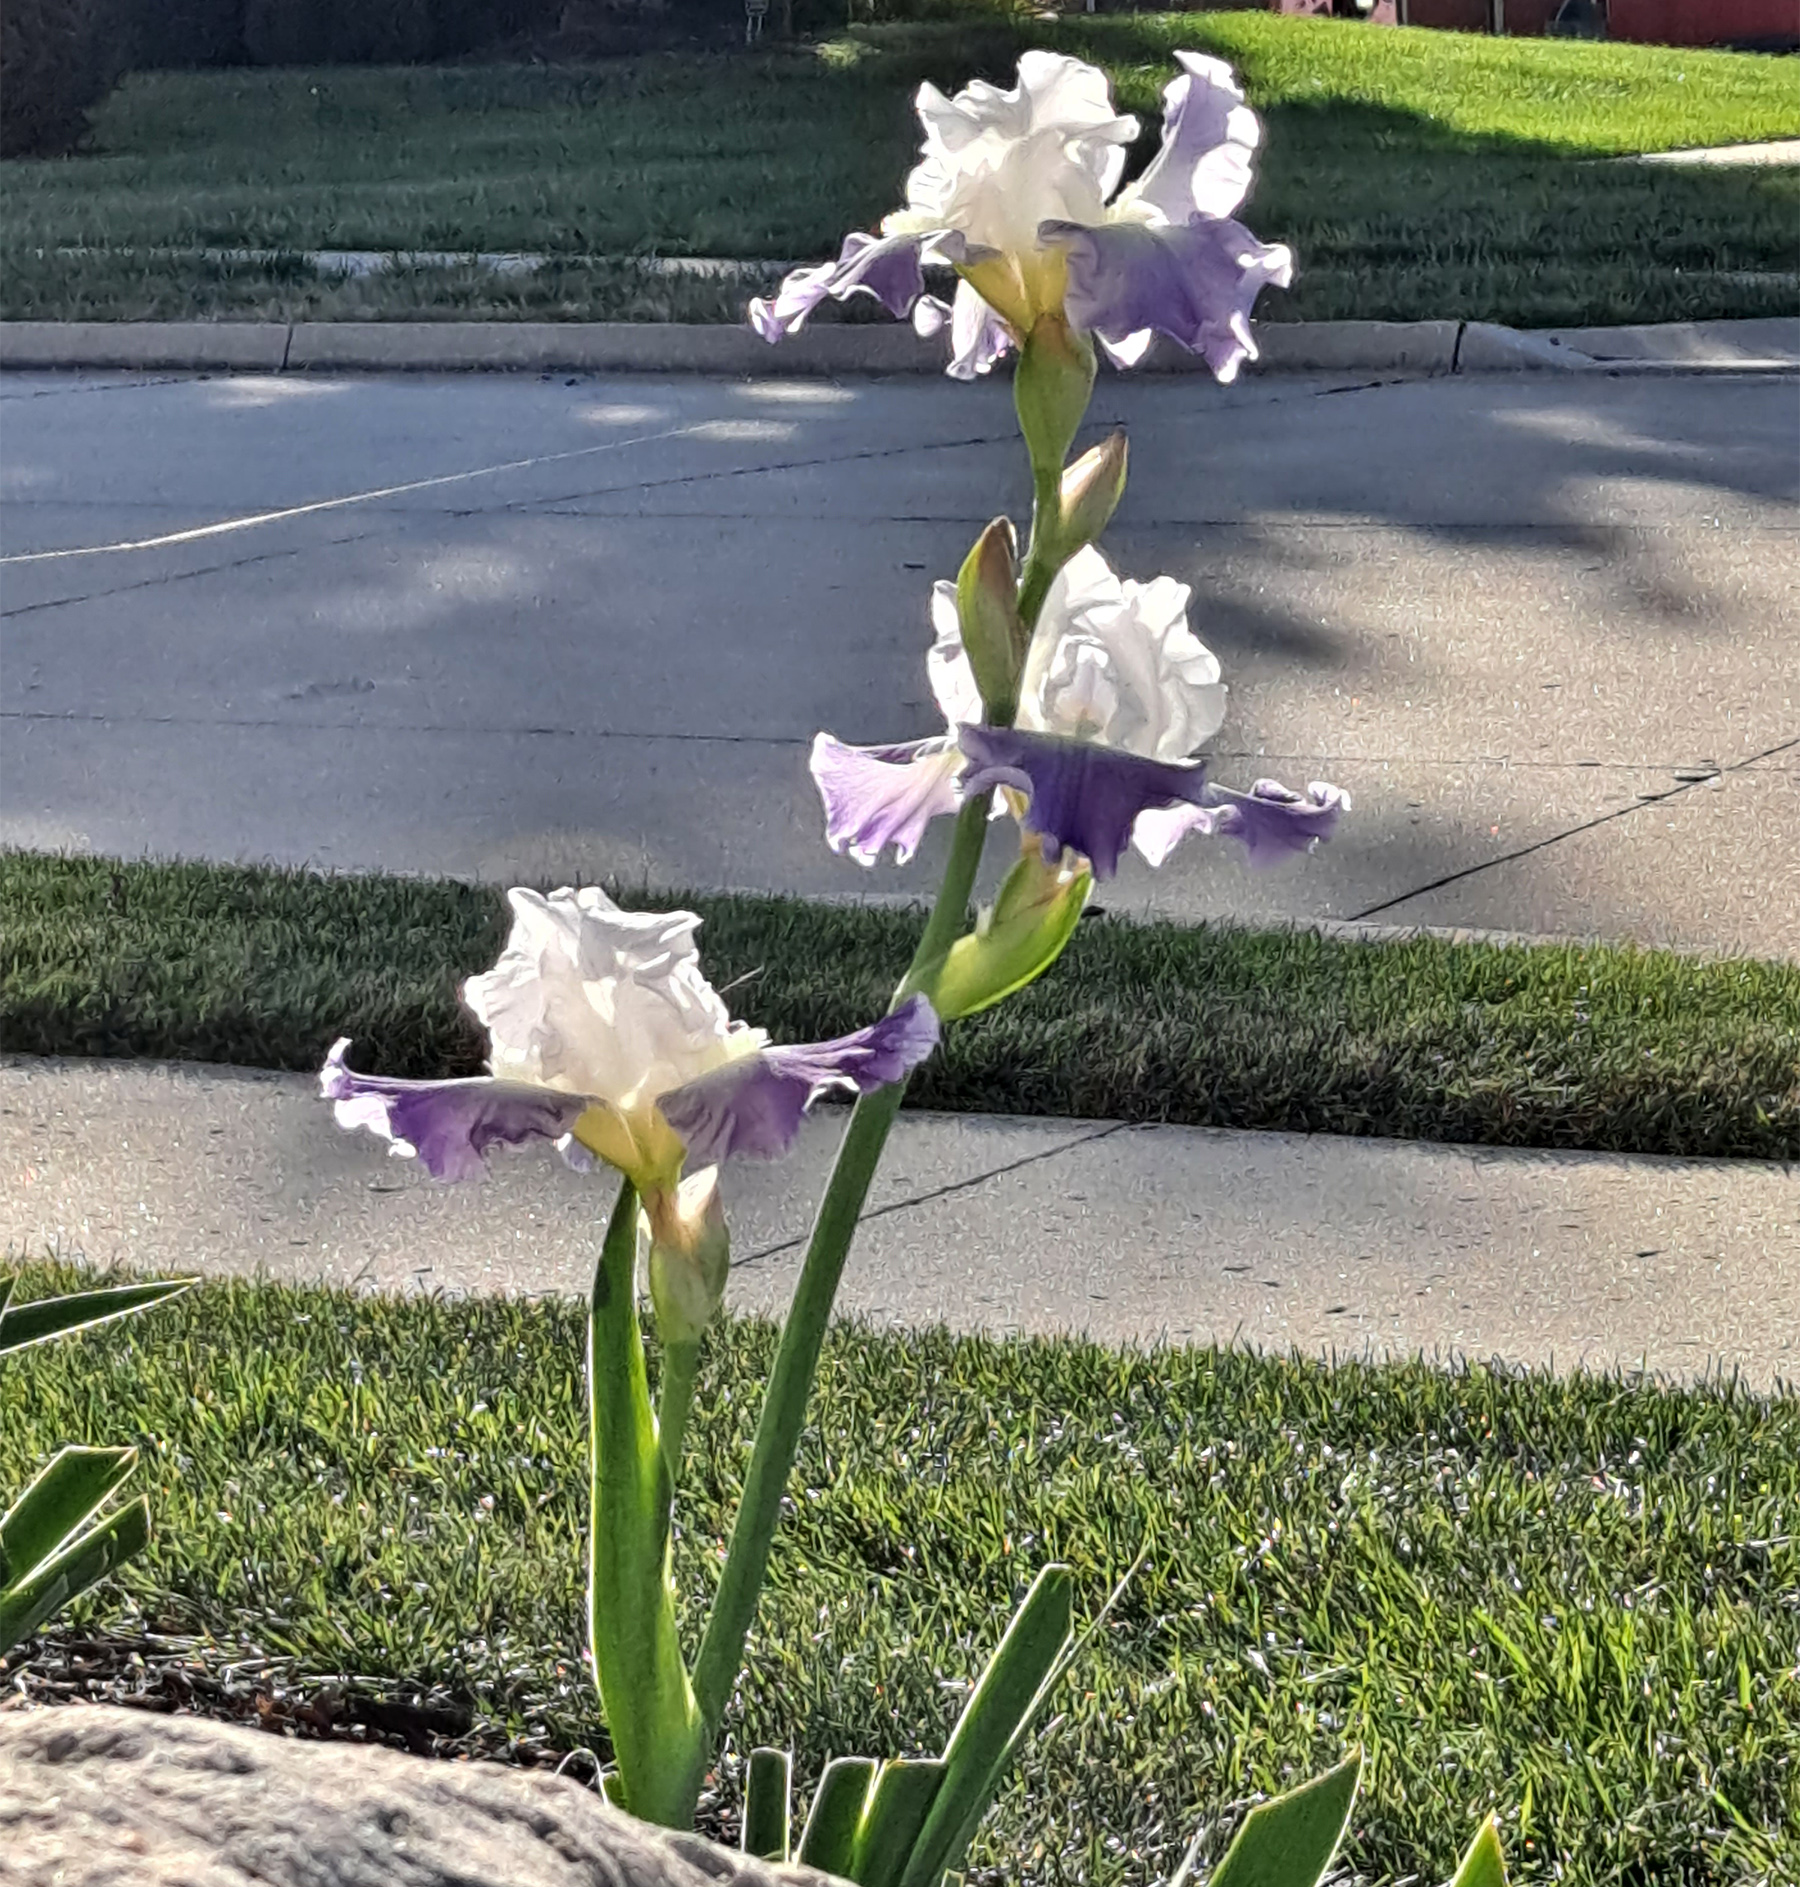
(1659, 22)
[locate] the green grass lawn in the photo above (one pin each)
(1568, 1600)
(1415, 173)
(1540, 1045)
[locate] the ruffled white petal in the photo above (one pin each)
(589, 999)
(1113, 660)
(997, 163)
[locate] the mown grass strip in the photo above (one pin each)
(1415, 174)
(1542, 1045)
(1473, 1573)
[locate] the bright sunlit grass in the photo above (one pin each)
(1570, 1601)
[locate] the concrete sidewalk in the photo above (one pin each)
(1543, 627)
(1128, 1234)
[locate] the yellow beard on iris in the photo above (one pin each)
(1020, 286)
(637, 1142)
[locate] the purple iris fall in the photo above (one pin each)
(1117, 697)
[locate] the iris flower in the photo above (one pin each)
(1019, 192)
(605, 1038)
(1116, 697)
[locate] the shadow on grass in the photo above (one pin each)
(1395, 209)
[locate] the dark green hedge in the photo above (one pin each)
(57, 58)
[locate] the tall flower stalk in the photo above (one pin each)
(1075, 703)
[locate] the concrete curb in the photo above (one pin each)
(1408, 347)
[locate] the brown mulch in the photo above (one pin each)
(171, 1675)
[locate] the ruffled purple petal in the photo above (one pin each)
(887, 267)
(1082, 797)
(1209, 142)
(1196, 283)
(449, 1125)
(751, 1109)
(881, 796)
(1271, 821)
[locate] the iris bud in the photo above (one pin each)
(987, 607)
(1091, 490)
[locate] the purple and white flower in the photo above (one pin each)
(1117, 697)
(1018, 191)
(605, 1037)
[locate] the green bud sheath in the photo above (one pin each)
(1091, 490)
(1051, 388)
(987, 606)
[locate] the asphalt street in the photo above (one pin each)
(1543, 627)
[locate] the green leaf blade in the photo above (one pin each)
(768, 1789)
(838, 1806)
(898, 1805)
(87, 1560)
(47, 1317)
(1484, 1865)
(1289, 1841)
(70, 1490)
(987, 1732)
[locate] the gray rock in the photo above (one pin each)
(101, 1797)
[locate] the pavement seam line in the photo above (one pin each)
(158, 582)
(1462, 328)
(1587, 825)
(253, 519)
(952, 1187)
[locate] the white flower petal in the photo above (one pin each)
(589, 999)
(952, 678)
(1114, 661)
(997, 163)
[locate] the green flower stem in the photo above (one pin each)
(657, 1734)
(803, 1335)
(674, 1399)
(1041, 556)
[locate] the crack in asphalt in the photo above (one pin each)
(948, 1190)
(862, 456)
(1586, 825)
(102, 386)
(254, 519)
(76, 717)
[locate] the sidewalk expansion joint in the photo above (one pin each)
(1587, 825)
(951, 1189)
